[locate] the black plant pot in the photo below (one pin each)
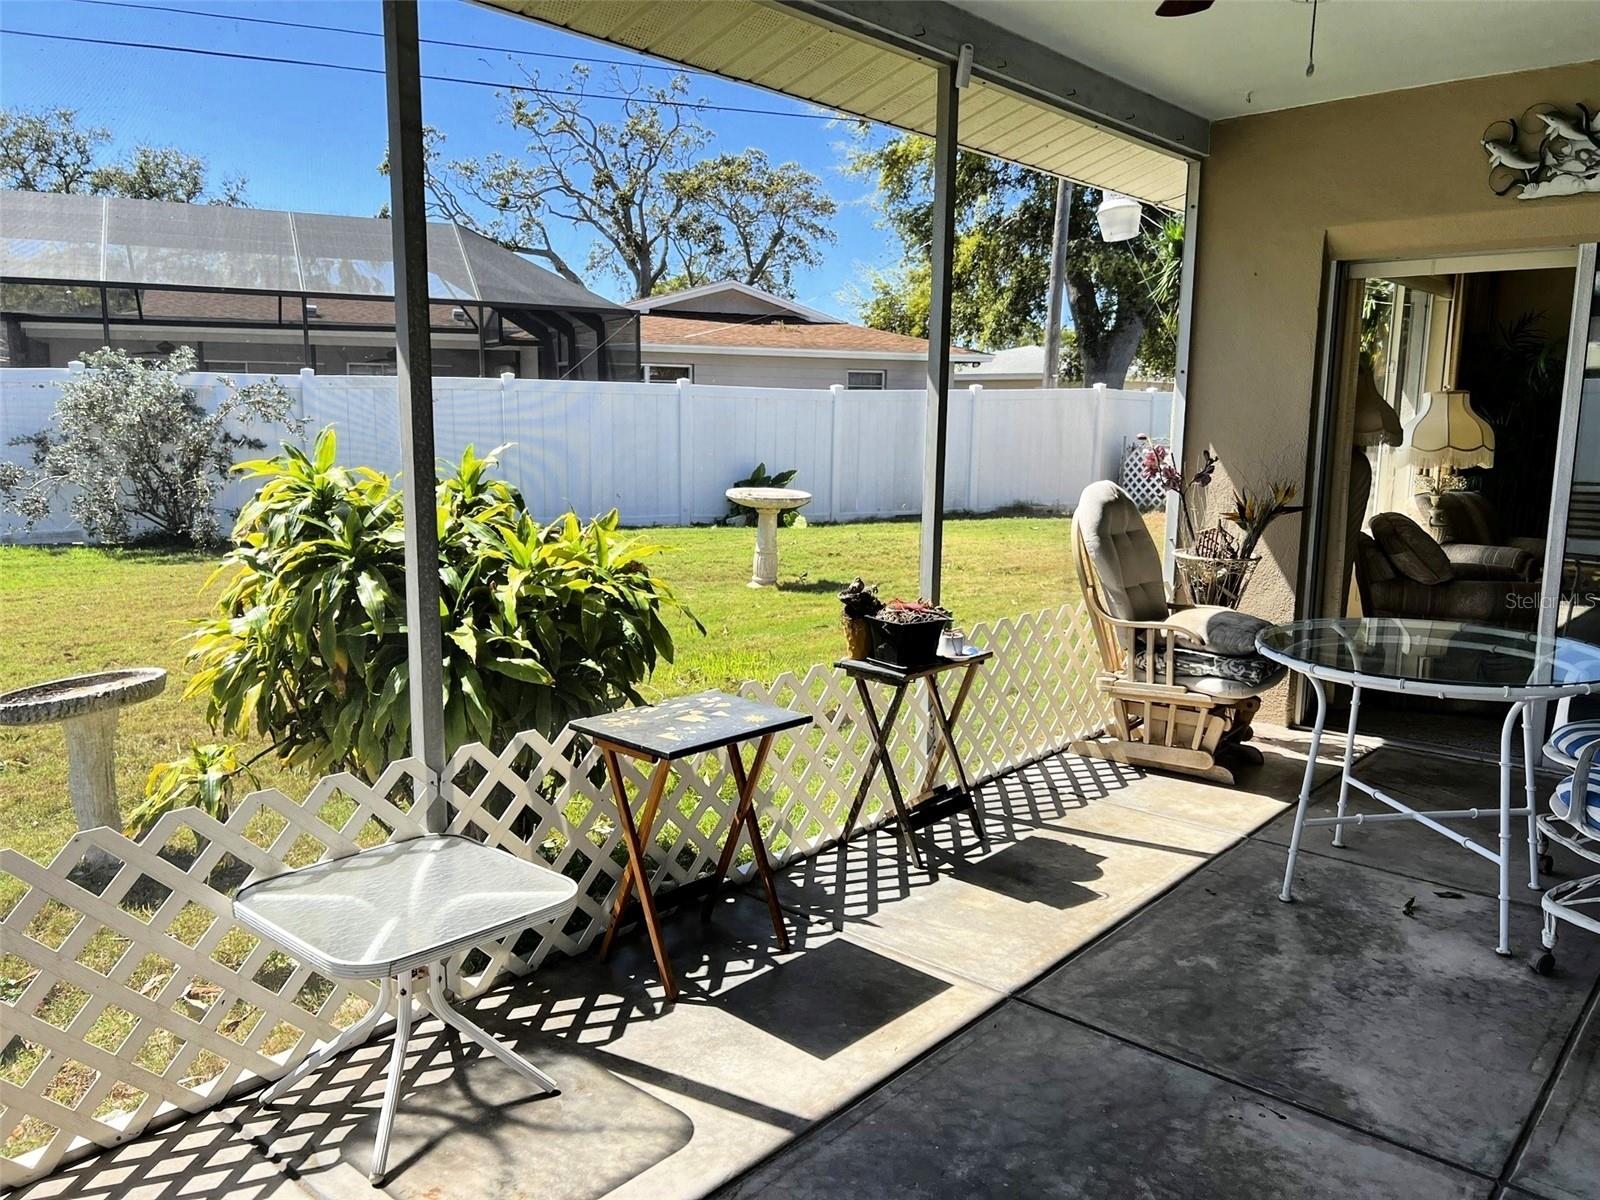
(909, 645)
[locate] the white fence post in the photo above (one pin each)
(1097, 452)
(685, 471)
(835, 449)
(974, 392)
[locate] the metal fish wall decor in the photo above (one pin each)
(1548, 151)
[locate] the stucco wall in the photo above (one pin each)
(1396, 175)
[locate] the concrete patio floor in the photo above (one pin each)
(1107, 1000)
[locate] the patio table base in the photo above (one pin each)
(431, 996)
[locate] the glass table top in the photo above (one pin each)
(1450, 654)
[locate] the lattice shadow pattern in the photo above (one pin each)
(133, 997)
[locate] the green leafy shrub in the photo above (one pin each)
(136, 453)
(542, 623)
(204, 779)
(738, 514)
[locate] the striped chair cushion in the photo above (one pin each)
(1561, 805)
(1567, 743)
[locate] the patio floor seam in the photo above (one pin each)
(1589, 1012)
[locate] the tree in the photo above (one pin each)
(751, 221)
(656, 209)
(138, 454)
(48, 150)
(1001, 260)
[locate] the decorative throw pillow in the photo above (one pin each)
(1414, 554)
(1223, 630)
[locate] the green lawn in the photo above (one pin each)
(75, 610)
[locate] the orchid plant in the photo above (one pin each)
(1252, 512)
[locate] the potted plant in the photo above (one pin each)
(860, 602)
(1216, 564)
(905, 633)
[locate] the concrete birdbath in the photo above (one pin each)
(768, 503)
(86, 706)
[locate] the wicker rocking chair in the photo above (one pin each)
(1183, 682)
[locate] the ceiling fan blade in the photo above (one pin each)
(1182, 8)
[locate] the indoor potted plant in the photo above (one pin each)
(1216, 563)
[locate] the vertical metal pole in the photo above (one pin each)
(935, 429)
(1058, 284)
(414, 377)
(105, 317)
(1180, 386)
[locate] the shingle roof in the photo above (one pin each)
(689, 332)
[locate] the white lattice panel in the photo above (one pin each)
(132, 994)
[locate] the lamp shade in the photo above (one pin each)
(1118, 217)
(1377, 423)
(1447, 433)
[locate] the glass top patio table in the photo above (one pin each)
(1395, 653)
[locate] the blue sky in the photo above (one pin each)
(309, 138)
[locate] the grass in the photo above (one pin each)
(76, 609)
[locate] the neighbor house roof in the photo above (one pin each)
(50, 238)
(730, 295)
(711, 335)
(1019, 362)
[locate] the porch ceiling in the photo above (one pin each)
(787, 51)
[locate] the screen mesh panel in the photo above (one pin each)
(199, 245)
(50, 237)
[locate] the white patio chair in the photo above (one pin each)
(1574, 822)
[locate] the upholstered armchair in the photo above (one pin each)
(1183, 682)
(1402, 572)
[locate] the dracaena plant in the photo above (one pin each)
(542, 623)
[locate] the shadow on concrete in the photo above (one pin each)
(831, 998)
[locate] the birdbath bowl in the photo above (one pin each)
(86, 706)
(768, 503)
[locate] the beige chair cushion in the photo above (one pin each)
(1222, 630)
(1409, 548)
(1122, 553)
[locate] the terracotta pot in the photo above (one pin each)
(857, 636)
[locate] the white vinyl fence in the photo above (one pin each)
(132, 997)
(664, 453)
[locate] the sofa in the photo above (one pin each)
(1402, 572)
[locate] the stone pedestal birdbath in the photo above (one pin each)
(768, 503)
(86, 706)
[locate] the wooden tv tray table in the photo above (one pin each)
(662, 734)
(931, 802)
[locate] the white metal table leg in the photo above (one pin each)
(439, 1005)
(1503, 861)
(1287, 895)
(1349, 762)
(1530, 755)
(348, 1040)
(391, 1091)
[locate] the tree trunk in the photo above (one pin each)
(1108, 359)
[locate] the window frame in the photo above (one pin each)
(881, 385)
(651, 368)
